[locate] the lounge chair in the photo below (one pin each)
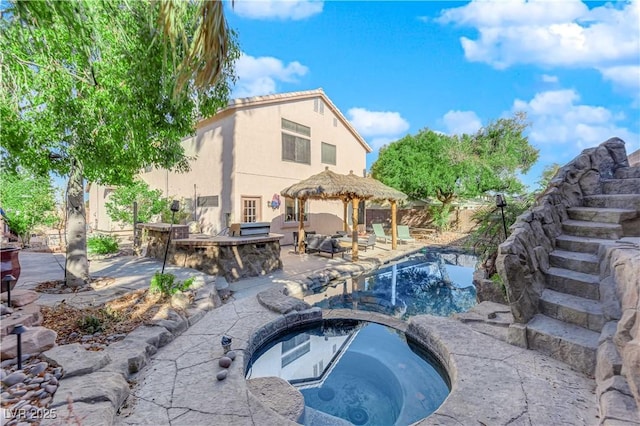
(379, 232)
(370, 241)
(403, 234)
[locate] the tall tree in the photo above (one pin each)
(28, 202)
(431, 164)
(98, 90)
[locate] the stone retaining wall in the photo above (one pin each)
(244, 258)
(618, 357)
(524, 256)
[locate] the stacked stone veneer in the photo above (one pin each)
(523, 260)
(249, 257)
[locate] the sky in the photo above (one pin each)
(395, 68)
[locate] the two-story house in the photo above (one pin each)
(247, 153)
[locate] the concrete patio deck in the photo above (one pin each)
(493, 383)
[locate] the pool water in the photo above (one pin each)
(436, 282)
(361, 372)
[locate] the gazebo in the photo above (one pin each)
(329, 185)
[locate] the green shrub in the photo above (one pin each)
(440, 216)
(90, 324)
(102, 244)
(167, 284)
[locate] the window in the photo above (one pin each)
(251, 209)
(295, 148)
(318, 105)
(208, 201)
(295, 127)
(321, 107)
(335, 122)
(292, 210)
(328, 153)
(294, 348)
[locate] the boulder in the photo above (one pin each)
(75, 359)
(20, 297)
(34, 341)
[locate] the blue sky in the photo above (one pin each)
(394, 68)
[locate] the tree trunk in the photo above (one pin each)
(77, 265)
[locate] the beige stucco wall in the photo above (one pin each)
(239, 153)
(261, 172)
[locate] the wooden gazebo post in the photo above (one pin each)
(394, 228)
(301, 236)
(345, 224)
(354, 229)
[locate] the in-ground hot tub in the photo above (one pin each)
(358, 371)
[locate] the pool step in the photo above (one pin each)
(621, 186)
(584, 228)
(627, 173)
(569, 343)
(580, 244)
(599, 214)
(575, 261)
(573, 309)
(571, 282)
(619, 201)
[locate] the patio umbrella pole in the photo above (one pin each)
(394, 229)
(345, 224)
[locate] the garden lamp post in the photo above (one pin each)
(18, 330)
(175, 206)
(7, 280)
(226, 343)
(502, 203)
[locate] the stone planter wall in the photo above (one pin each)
(524, 256)
(233, 258)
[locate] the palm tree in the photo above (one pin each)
(205, 52)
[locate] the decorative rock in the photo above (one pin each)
(76, 360)
(222, 375)
(13, 378)
(34, 340)
(224, 362)
(51, 389)
(21, 297)
(231, 355)
(38, 368)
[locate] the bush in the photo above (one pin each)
(167, 284)
(90, 324)
(440, 216)
(102, 244)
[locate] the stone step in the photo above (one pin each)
(583, 228)
(600, 214)
(576, 310)
(621, 186)
(576, 283)
(569, 343)
(618, 201)
(580, 244)
(579, 262)
(627, 172)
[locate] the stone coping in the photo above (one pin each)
(491, 382)
(205, 240)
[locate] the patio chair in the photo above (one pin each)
(370, 241)
(403, 234)
(379, 232)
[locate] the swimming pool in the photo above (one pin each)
(436, 282)
(361, 372)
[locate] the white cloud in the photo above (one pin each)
(557, 117)
(258, 76)
(565, 34)
(459, 122)
(549, 78)
(377, 124)
(277, 9)
(627, 76)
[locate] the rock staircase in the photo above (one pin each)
(571, 316)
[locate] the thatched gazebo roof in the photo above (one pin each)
(328, 185)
